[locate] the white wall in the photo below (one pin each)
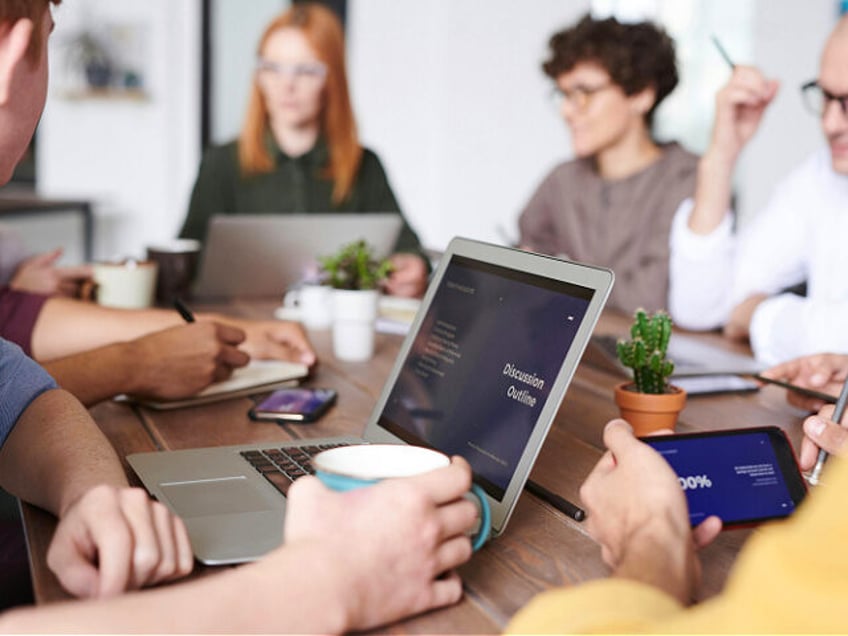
(135, 159)
(450, 94)
(788, 40)
(235, 33)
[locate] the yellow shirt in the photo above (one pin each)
(791, 577)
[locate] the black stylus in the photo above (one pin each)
(560, 503)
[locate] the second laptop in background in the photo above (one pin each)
(261, 255)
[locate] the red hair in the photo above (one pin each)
(323, 31)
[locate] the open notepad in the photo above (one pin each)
(256, 377)
(396, 314)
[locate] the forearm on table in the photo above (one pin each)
(56, 453)
(787, 326)
(66, 326)
(314, 605)
(98, 374)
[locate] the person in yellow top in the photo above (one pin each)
(792, 576)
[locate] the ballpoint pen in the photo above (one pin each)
(723, 53)
(185, 312)
(838, 410)
(560, 503)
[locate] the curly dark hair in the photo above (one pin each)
(636, 55)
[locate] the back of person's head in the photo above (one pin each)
(636, 56)
(13, 10)
(324, 32)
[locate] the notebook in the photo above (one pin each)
(481, 373)
(691, 356)
(256, 377)
(261, 255)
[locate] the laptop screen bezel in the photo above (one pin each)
(597, 279)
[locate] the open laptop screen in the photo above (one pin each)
(482, 365)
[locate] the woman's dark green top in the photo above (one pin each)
(295, 185)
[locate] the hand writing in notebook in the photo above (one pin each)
(198, 355)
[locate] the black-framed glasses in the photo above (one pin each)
(817, 98)
(578, 96)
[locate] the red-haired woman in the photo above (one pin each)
(298, 150)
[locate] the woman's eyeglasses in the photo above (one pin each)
(579, 96)
(299, 70)
(817, 98)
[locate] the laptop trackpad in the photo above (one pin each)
(214, 497)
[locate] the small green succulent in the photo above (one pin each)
(645, 351)
(355, 267)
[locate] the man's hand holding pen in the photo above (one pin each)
(198, 354)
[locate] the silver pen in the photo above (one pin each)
(837, 417)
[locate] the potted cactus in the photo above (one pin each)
(649, 402)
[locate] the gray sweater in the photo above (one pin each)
(622, 224)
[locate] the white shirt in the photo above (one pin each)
(802, 234)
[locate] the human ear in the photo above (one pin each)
(14, 42)
(644, 100)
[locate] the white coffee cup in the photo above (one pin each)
(312, 304)
(351, 467)
(129, 284)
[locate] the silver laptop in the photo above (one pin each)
(691, 356)
(255, 255)
(481, 373)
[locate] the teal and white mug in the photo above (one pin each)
(350, 467)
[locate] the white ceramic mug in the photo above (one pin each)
(129, 284)
(312, 304)
(350, 467)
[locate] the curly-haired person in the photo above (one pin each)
(613, 204)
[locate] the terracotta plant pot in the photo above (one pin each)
(648, 412)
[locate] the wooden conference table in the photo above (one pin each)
(541, 547)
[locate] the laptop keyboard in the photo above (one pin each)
(281, 466)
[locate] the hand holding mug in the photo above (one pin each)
(351, 467)
(391, 543)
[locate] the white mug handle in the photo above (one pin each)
(291, 298)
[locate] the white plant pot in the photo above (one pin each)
(354, 317)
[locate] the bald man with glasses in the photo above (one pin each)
(720, 278)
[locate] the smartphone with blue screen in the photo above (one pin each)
(297, 404)
(744, 476)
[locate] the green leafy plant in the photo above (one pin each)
(645, 351)
(355, 267)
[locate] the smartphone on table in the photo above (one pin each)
(744, 476)
(297, 404)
